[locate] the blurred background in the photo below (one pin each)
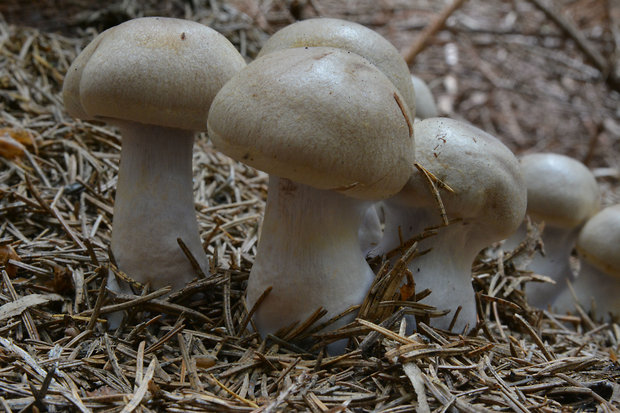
(505, 66)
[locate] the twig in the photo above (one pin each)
(192, 260)
(374, 335)
(248, 316)
(54, 212)
(430, 30)
(535, 337)
(226, 304)
(140, 392)
(435, 182)
(99, 302)
(25, 315)
(233, 394)
(387, 333)
(586, 47)
(413, 372)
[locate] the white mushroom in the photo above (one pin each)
(370, 231)
(598, 284)
(154, 79)
(332, 132)
(425, 106)
(487, 204)
(359, 39)
(563, 193)
(350, 36)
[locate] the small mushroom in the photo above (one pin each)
(153, 78)
(598, 284)
(486, 202)
(328, 127)
(425, 106)
(562, 192)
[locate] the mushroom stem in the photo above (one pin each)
(558, 244)
(594, 290)
(154, 207)
(309, 253)
(371, 230)
(445, 269)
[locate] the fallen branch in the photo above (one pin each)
(430, 30)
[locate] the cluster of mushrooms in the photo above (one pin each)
(328, 110)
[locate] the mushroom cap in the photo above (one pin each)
(320, 116)
(599, 241)
(560, 190)
(152, 70)
(425, 106)
(489, 193)
(349, 36)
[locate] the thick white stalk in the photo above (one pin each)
(558, 244)
(445, 269)
(154, 206)
(309, 253)
(371, 230)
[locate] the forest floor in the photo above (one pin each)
(538, 80)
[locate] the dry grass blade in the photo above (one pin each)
(387, 333)
(140, 392)
(232, 393)
(535, 337)
(433, 183)
(20, 305)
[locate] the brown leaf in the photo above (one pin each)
(20, 135)
(13, 142)
(407, 290)
(10, 148)
(8, 253)
(63, 281)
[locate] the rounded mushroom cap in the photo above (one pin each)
(489, 194)
(560, 190)
(152, 70)
(349, 36)
(599, 241)
(425, 106)
(319, 116)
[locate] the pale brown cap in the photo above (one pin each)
(349, 36)
(561, 190)
(152, 70)
(319, 116)
(489, 194)
(599, 241)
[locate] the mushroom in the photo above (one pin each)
(486, 203)
(154, 79)
(562, 192)
(333, 133)
(370, 231)
(425, 106)
(350, 36)
(598, 283)
(359, 39)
